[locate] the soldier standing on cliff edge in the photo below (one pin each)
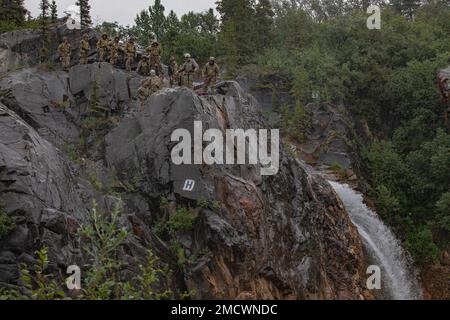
(64, 51)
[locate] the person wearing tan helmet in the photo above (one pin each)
(173, 71)
(149, 86)
(102, 47)
(154, 52)
(144, 67)
(188, 70)
(64, 51)
(130, 53)
(85, 47)
(114, 47)
(210, 74)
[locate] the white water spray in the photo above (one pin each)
(398, 279)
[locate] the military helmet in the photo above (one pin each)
(152, 72)
(154, 41)
(187, 55)
(104, 34)
(145, 57)
(212, 59)
(85, 35)
(172, 58)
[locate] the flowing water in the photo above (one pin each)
(398, 279)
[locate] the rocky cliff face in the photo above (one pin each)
(285, 236)
(20, 49)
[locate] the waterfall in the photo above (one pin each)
(398, 279)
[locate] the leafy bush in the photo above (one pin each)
(7, 223)
(443, 209)
(103, 240)
(6, 26)
(339, 170)
(104, 237)
(36, 284)
(420, 244)
(411, 190)
(294, 122)
(182, 220)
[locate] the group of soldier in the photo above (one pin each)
(149, 66)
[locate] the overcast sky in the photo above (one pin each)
(124, 11)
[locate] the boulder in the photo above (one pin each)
(265, 237)
(273, 237)
(329, 137)
(55, 103)
(37, 187)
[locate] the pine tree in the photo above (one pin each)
(237, 34)
(44, 19)
(54, 11)
(264, 23)
(209, 22)
(85, 9)
(151, 23)
(406, 7)
(158, 19)
(12, 11)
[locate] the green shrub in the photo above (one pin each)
(94, 105)
(388, 206)
(339, 170)
(182, 220)
(103, 239)
(6, 26)
(443, 209)
(294, 122)
(178, 251)
(94, 180)
(7, 223)
(203, 203)
(163, 203)
(419, 243)
(36, 283)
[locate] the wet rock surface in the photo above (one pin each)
(20, 49)
(272, 235)
(285, 236)
(331, 140)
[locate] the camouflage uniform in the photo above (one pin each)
(149, 86)
(173, 72)
(102, 47)
(155, 51)
(130, 53)
(143, 67)
(114, 47)
(210, 74)
(64, 51)
(43, 55)
(85, 47)
(188, 69)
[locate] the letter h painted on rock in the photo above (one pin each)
(189, 185)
